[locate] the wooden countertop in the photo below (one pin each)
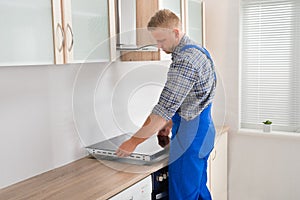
(86, 178)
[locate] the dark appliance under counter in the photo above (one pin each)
(160, 184)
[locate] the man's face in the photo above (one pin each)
(165, 38)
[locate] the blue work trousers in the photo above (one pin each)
(191, 144)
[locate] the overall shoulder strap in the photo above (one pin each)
(202, 49)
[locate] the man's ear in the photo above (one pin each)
(176, 31)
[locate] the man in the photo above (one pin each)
(184, 107)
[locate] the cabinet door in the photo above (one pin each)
(138, 191)
(26, 32)
(195, 21)
(218, 168)
(173, 5)
(58, 32)
(87, 31)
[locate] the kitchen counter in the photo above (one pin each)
(86, 178)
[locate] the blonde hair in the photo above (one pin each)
(164, 19)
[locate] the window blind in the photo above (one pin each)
(270, 64)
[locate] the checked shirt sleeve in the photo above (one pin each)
(180, 80)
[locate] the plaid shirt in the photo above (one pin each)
(190, 85)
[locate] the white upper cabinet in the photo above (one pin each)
(195, 21)
(37, 32)
(89, 32)
(174, 5)
(86, 31)
(26, 32)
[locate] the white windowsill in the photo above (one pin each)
(260, 133)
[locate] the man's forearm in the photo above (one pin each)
(153, 124)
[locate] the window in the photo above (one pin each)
(270, 64)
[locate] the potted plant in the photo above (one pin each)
(267, 126)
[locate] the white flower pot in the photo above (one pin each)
(267, 128)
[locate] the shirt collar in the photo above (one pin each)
(184, 40)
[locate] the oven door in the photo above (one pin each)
(160, 184)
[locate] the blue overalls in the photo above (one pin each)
(191, 143)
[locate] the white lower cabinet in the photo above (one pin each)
(139, 191)
(217, 168)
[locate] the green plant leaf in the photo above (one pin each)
(267, 122)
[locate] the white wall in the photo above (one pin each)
(37, 131)
(261, 166)
(222, 41)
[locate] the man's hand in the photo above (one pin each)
(165, 131)
(152, 124)
(163, 134)
(163, 141)
(127, 147)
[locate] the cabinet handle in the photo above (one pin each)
(59, 28)
(72, 41)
